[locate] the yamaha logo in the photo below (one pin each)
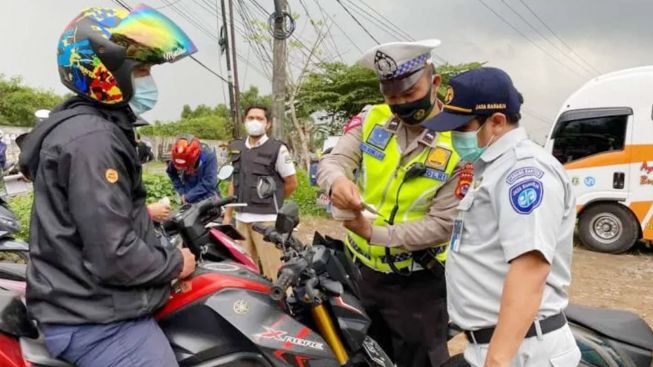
(241, 307)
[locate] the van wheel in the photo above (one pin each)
(610, 228)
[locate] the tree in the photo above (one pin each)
(18, 102)
(335, 92)
(206, 122)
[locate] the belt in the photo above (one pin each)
(547, 325)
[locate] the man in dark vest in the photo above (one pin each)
(255, 157)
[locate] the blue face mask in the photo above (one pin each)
(466, 144)
(145, 94)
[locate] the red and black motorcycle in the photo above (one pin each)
(226, 314)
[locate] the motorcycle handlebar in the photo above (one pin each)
(215, 202)
(280, 286)
(269, 234)
(259, 228)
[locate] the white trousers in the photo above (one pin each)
(555, 349)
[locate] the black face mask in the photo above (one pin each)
(414, 112)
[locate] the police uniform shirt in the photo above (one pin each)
(346, 157)
(520, 201)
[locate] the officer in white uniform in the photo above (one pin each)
(509, 264)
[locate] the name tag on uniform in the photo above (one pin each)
(435, 174)
(367, 149)
(456, 234)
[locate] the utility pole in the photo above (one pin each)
(237, 120)
(279, 55)
(224, 40)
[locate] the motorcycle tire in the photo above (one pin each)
(457, 360)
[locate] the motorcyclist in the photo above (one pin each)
(97, 271)
(193, 169)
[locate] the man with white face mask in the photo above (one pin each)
(255, 157)
(509, 265)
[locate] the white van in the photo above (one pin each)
(604, 136)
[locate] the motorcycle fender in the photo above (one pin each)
(265, 324)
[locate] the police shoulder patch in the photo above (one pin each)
(379, 137)
(353, 123)
(521, 172)
(525, 196)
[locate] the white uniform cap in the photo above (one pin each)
(399, 65)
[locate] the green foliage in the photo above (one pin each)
(339, 90)
(206, 122)
(158, 186)
(22, 207)
(448, 71)
(18, 102)
(251, 97)
(211, 127)
(305, 196)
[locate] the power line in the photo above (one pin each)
(373, 20)
(329, 33)
(527, 38)
(558, 37)
(337, 26)
(562, 52)
(394, 30)
(126, 6)
(165, 6)
(208, 33)
(389, 22)
(358, 22)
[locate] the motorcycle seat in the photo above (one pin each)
(13, 271)
(623, 326)
(35, 352)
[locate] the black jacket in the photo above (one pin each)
(94, 255)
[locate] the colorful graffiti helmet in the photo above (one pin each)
(100, 47)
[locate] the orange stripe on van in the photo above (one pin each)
(631, 154)
(640, 208)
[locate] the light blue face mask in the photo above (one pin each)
(466, 144)
(145, 94)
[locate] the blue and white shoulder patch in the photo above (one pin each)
(524, 172)
(525, 196)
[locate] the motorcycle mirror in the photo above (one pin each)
(266, 187)
(287, 218)
(225, 172)
(42, 114)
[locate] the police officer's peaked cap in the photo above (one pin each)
(399, 65)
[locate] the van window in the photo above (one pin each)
(576, 139)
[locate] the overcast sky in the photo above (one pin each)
(600, 35)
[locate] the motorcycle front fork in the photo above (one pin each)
(328, 331)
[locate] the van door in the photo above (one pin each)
(592, 145)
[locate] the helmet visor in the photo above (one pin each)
(151, 37)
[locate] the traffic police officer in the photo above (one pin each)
(509, 263)
(407, 174)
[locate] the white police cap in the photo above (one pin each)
(399, 65)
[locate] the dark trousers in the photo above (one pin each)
(409, 316)
(133, 343)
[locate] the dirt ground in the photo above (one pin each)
(598, 280)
